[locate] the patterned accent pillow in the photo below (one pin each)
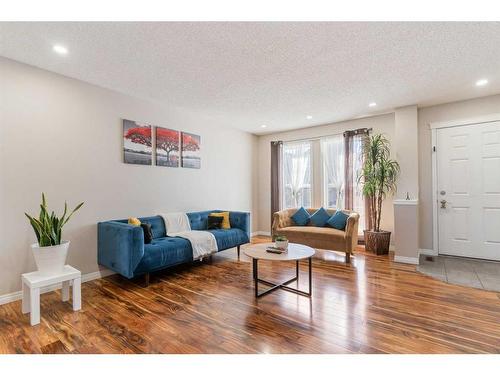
(134, 221)
(225, 223)
(214, 222)
(148, 233)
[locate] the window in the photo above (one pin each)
(297, 179)
(315, 175)
(332, 153)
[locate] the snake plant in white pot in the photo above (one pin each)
(51, 251)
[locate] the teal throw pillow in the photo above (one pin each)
(301, 217)
(320, 217)
(338, 220)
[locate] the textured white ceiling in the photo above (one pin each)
(249, 74)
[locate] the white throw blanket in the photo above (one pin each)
(202, 242)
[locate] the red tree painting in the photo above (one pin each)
(191, 150)
(189, 143)
(167, 147)
(137, 143)
(141, 135)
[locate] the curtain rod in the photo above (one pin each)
(321, 137)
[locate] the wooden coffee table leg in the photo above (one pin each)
(310, 276)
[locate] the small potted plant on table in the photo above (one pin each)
(50, 251)
(281, 242)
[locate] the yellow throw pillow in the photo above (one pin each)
(225, 220)
(134, 221)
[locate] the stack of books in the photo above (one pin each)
(275, 250)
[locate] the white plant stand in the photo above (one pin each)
(33, 282)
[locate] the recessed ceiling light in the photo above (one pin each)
(482, 82)
(60, 49)
(372, 104)
(263, 126)
(309, 117)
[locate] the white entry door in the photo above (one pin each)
(468, 190)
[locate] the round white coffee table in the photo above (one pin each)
(295, 253)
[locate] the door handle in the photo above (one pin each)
(443, 203)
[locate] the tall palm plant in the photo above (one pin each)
(378, 176)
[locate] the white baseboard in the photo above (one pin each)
(97, 275)
(10, 297)
(260, 233)
(15, 296)
(427, 252)
(408, 260)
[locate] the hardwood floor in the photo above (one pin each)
(369, 306)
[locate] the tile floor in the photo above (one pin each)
(475, 273)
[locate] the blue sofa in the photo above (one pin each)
(121, 248)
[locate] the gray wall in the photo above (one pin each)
(63, 136)
(444, 112)
(380, 124)
(385, 124)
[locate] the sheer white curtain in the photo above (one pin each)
(340, 185)
(332, 153)
(297, 174)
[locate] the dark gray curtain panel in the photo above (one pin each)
(276, 176)
(354, 150)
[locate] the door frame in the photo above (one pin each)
(434, 126)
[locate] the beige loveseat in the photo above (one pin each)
(318, 237)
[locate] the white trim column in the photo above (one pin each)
(406, 231)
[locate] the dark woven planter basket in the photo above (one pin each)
(377, 242)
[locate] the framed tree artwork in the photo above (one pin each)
(167, 147)
(190, 144)
(137, 148)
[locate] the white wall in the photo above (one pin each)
(406, 147)
(380, 124)
(63, 137)
(444, 112)
(386, 124)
